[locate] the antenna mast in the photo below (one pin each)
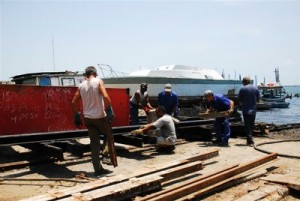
(53, 53)
(277, 75)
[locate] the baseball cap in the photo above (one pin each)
(168, 87)
(206, 93)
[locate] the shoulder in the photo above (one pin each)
(161, 93)
(165, 118)
(82, 83)
(173, 94)
(137, 92)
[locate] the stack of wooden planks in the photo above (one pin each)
(154, 183)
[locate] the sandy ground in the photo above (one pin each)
(130, 160)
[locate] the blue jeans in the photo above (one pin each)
(134, 113)
(222, 135)
(249, 125)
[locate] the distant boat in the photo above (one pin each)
(262, 105)
(187, 81)
(274, 93)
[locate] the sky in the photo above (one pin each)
(247, 38)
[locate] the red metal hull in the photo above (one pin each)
(34, 109)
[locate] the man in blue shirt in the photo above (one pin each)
(248, 97)
(220, 103)
(169, 100)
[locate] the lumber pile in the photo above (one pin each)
(121, 187)
(156, 183)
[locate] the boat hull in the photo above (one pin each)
(183, 87)
(280, 104)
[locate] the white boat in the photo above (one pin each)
(187, 81)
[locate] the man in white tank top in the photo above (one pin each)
(97, 112)
(139, 100)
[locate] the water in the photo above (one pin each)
(283, 115)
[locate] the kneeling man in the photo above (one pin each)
(166, 135)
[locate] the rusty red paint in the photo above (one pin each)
(31, 109)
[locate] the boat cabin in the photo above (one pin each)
(272, 91)
(64, 78)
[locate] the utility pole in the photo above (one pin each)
(53, 53)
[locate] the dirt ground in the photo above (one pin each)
(40, 178)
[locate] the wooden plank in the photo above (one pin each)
(188, 189)
(55, 194)
(185, 183)
(21, 164)
(46, 150)
(111, 147)
(273, 192)
(232, 181)
(157, 168)
(224, 185)
(210, 115)
(291, 181)
(121, 191)
(129, 140)
(180, 171)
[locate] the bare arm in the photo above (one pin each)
(103, 92)
(148, 103)
(75, 102)
(231, 105)
(148, 127)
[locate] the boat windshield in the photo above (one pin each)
(272, 92)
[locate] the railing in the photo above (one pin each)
(107, 71)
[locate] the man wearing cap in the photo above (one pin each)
(169, 100)
(248, 97)
(220, 103)
(139, 100)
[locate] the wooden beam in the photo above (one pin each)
(129, 140)
(180, 185)
(188, 189)
(292, 181)
(56, 194)
(122, 191)
(266, 193)
(21, 164)
(180, 170)
(46, 149)
(232, 181)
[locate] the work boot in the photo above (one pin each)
(216, 142)
(224, 144)
(250, 144)
(166, 149)
(101, 171)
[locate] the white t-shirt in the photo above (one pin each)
(143, 98)
(167, 128)
(92, 101)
